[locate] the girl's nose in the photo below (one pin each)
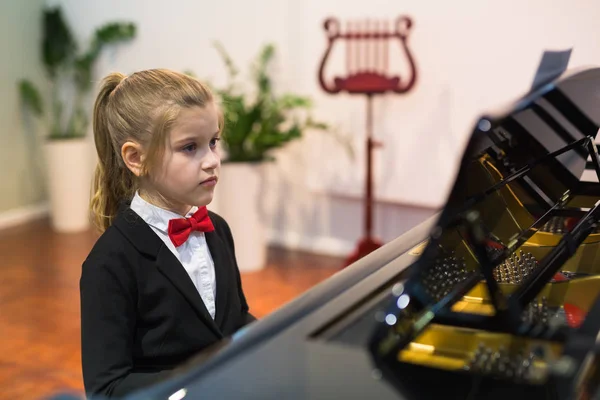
(211, 161)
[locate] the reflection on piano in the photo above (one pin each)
(497, 296)
(505, 299)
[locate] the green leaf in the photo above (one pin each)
(83, 71)
(232, 70)
(60, 57)
(261, 73)
(290, 101)
(115, 32)
(30, 96)
(58, 45)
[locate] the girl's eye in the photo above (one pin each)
(189, 148)
(213, 142)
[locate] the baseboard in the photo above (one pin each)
(22, 215)
(320, 245)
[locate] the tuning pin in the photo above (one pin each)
(497, 367)
(486, 360)
(475, 358)
(510, 370)
(531, 313)
(545, 311)
(501, 360)
(532, 263)
(489, 366)
(516, 361)
(526, 364)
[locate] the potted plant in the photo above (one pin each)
(69, 74)
(255, 125)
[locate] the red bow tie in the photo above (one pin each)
(181, 228)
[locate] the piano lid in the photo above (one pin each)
(552, 116)
(522, 166)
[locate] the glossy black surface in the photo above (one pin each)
(317, 346)
(521, 167)
(278, 356)
(540, 148)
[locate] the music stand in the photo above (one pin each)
(367, 62)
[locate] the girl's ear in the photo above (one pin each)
(133, 157)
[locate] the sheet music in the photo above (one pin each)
(552, 65)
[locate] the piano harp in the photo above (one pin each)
(497, 296)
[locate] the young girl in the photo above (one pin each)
(162, 282)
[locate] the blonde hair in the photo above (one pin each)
(141, 107)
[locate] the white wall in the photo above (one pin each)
(471, 55)
(21, 181)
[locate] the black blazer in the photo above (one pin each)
(141, 315)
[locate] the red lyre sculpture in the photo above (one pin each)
(367, 64)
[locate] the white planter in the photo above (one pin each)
(237, 199)
(69, 184)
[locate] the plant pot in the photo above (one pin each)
(69, 183)
(237, 199)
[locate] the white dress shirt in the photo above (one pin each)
(194, 254)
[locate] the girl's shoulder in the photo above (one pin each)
(221, 225)
(110, 244)
(128, 235)
(110, 267)
(217, 220)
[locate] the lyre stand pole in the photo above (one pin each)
(369, 172)
(368, 243)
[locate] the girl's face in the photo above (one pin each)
(189, 169)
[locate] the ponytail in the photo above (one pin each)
(113, 182)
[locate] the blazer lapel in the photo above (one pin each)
(148, 243)
(223, 265)
(171, 268)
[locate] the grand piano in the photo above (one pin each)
(494, 297)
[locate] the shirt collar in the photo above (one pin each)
(155, 216)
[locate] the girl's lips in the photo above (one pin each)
(209, 182)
